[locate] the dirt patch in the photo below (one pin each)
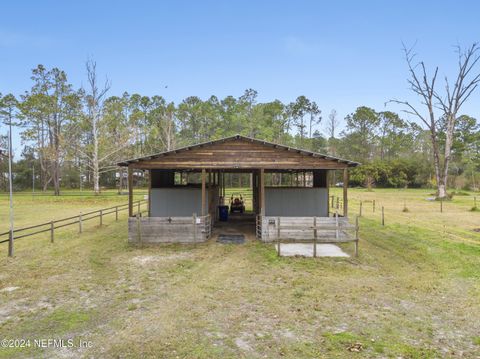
(150, 259)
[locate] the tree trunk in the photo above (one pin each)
(120, 180)
(56, 159)
(96, 170)
(442, 188)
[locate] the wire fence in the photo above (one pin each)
(454, 221)
(78, 220)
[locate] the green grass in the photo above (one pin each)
(245, 192)
(413, 292)
(29, 210)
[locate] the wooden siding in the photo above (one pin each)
(239, 153)
(302, 229)
(169, 229)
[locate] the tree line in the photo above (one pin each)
(74, 137)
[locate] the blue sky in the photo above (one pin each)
(342, 54)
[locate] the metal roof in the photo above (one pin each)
(238, 137)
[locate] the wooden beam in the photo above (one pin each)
(223, 185)
(149, 193)
(345, 196)
(328, 175)
(262, 191)
(130, 191)
(210, 193)
(204, 195)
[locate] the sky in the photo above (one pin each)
(341, 54)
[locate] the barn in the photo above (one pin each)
(187, 185)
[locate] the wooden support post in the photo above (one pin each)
(441, 205)
(194, 228)
(101, 217)
(150, 191)
(333, 201)
(52, 229)
(327, 185)
(356, 236)
(278, 236)
(262, 191)
(210, 194)
(130, 191)
(373, 206)
(338, 204)
(314, 237)
(345, 194)
(116, 213)
(383, 216)
(204, 193)
(361, 205)
(223, 185)
(80, 224)
(139, 229)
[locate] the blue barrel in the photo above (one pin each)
(223, 213)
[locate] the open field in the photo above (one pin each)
(29, 210)
(414, 291)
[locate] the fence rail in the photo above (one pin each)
(340, 228)
(70, 221)
(314, 230)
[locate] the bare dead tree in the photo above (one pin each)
(331, 127)
(95, 99)
(449, 104)
(332, 124)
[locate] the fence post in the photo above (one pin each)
(80, 229)
(139, 208)
(194, 228)
(336, 225)
(116, 213)
(10, 243)
(383, 216)
(101, 217)
(373, 204)
(52, 228)
(361, 206)
(356, 236)
(333, 200)
(441, 205)
(278, 236)
(314, 237)
(337, 203)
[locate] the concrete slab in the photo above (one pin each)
(306, 250)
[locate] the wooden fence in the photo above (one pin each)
(192, 229)
(69, 221)
(315, 230)
(336, 203)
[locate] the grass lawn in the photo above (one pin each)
(414, 291)
(40, 208)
